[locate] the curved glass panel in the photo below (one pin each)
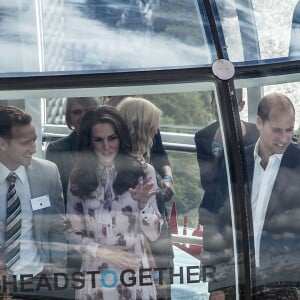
(255, 29)
(215, 210)
(187, 274)
(273, 21)
(65, 35)
(272, 164)
(273, 173)
(223, 251)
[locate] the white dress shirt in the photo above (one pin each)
(262, 186)
(30, 262)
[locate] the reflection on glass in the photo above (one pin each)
(180, 121)
(230, 26)
(273, 21)
(101, 35)
(214, 209)
(184, 120)
(273, 168)
(32, 222)
(294, 49)
(258, 29)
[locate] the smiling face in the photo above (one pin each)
(277, 132)
(76, 114)
(19, 149)
(105, 143)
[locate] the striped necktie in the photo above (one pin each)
(13, 223)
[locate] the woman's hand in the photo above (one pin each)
(168, 189)
(119, 256)
(143, 192)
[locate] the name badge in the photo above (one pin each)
(40, 202)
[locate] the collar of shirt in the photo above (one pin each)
(4, 172)
(257, 158)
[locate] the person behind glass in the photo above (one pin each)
(158, 157)
(63, 151)
(32, 223)
(273, 172)
(111, 209)
(142, 118)
(209, 146)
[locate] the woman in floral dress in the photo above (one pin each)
(111, 208)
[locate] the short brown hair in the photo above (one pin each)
(11, 116)
(271, 100)
(90, 102)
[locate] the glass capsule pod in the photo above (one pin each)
(225, 76)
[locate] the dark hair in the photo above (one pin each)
(84, 179)
(271, 100)
(11, 116)
(89, 102)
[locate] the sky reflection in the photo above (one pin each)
(70, 39)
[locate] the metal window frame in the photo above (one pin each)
(64, 82)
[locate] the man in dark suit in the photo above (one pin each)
(209, 148)
(274, 176)
(273, 166)
(63, 151)
(39, 244)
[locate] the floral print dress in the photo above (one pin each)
(108, 219)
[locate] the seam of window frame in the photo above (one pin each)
(64, 80)
(216, 29)
(234, 144)
(242, 218)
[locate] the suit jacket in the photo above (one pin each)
(49, 222)
(280, 241)
(63, 153)
(210, 166)
(158, 155)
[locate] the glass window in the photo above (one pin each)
(190, 276)
(256, 29)
(274, 22)
(101, 35)
(220, 250)
(272, 165)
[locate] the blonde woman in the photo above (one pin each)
(143, 118)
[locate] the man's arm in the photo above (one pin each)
(208, 163)
(158, 155)
(159, 159)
